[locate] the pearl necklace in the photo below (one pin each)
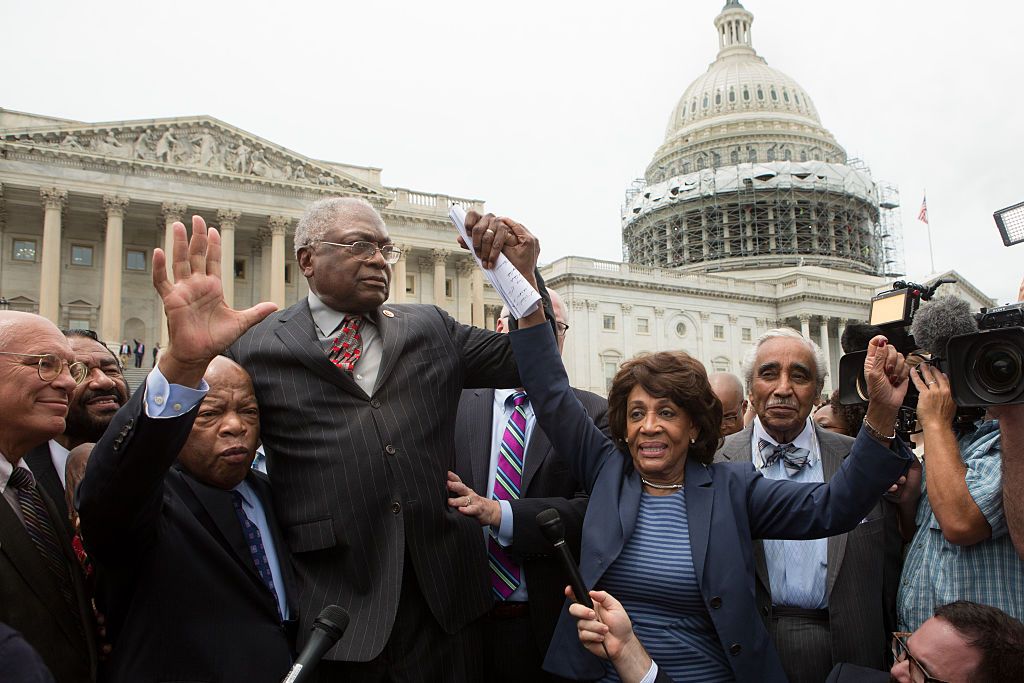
(663, 487)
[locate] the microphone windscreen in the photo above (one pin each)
(938, 320)
(333, 620)
(857, 335)
(551, 526)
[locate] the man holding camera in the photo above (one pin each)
(961, 549)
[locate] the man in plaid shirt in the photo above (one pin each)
(961, 549)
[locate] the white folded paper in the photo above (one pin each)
(520, 298)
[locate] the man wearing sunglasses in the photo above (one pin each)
(358, 401)
(42, 592)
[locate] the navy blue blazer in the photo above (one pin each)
(728, 505)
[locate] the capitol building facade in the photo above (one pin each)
(749, 216)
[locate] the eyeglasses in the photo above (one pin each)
(50, 366)
(561, 328)
(918, 674)
(364, 251)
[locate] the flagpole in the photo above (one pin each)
(927, 221)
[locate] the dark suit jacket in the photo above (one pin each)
(360, 481)
(863, 565)
(851, 673)
(546, 483)
(19, 662)
(726, 504)
(41, 464)
(31, 603)
(185, 600)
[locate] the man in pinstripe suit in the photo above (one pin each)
(358, 402)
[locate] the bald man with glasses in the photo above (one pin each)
(42, 591)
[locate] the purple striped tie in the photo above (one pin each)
(40, 529)
(506, 575)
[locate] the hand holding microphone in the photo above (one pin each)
(327, 631)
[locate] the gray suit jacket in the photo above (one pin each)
(863, 565)
(360, 481)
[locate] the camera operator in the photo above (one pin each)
(961, 549)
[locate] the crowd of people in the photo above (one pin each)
(725, 528)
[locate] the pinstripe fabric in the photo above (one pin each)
(41, 531)
(359, 480)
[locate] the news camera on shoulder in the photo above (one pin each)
(981, 352)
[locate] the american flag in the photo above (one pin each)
(922, 215)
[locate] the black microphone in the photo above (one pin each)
(938, 320)
(327, 630)
(551, 526)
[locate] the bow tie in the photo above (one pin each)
(794, 459)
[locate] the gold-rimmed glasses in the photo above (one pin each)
(49, 366)
(364, 251)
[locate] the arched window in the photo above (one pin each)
(701, 163)
(732, 94)
(752, 154)
(775, 95)
(686, 167)
(716, 160)
(787, 155)
(771, 154)
(718, 98)
(803, 155)
(746, 94)
(734, 157)
(693, 105)
(785, 95)
(705, 102)
(760, 93)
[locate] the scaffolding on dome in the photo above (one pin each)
(764, 215)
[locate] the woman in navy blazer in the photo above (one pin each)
(727, 504)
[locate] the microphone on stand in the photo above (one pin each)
(327, 631)
(550, 523)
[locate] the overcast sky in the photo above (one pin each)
(548, 110)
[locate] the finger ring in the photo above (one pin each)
(467, 502)
(932, 382)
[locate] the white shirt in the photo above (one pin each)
(59, 458)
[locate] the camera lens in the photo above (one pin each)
(999, 368)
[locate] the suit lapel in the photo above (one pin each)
(392, 327)
(737, 449)
(832, 454)
(699, 502)
(479, 447)
(262, 488)
(297, 331)
(41, 464)
(23, 554)
(537, 451)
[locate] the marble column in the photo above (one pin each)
(110, 308)
(438, 257)
(266, 268)
(54, 200)
(278, 227)
(227, 220)
(828, 354)
(173, 213)
(477, 283)
(397, 294)
(627, 330)
(805, 325)
(659, 329)
(464, 301)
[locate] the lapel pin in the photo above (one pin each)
(387, 313)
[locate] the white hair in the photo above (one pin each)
(820, 364)
(323, 214)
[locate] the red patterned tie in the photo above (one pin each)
(348, 345)
(506, 574)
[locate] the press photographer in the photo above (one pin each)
(961, 549)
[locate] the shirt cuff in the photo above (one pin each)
(651, 674)
(504, 535)
(164, 400)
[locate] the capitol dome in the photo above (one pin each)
(741, 109)
(748, 177)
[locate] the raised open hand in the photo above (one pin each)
(200, 324)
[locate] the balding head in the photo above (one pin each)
(560, 311)
(32, 411)
(729, 390)
(222, 445)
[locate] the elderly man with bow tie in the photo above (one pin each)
(828, 600)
